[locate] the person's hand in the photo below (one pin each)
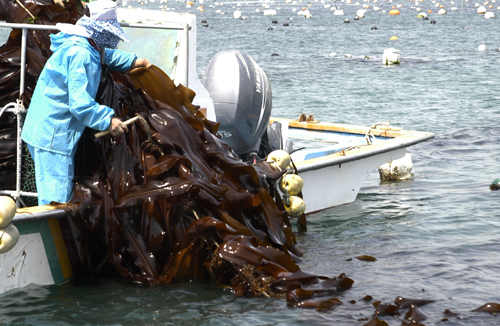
(141, 63)
(117, 127)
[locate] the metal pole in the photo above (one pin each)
(186, 54)
(23, 61)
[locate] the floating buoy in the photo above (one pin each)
(397, 170)
(489, 15)
(237, 14)
(393, 12)
(481, 10)
(482, 47)
(442, 12)
(296, 206)
(280, 159)
(374, 28)
(422, 15)
(7, 210)
(390, 57)
(394, 38)
(495, 185)
(333, 54)
(432, 22)
(361, 13)
(8, 238)
(291, 184)
(347, 20)
(347, 55)
(429, 11)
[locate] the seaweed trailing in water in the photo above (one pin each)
(168, 201)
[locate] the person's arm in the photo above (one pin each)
(122, 61)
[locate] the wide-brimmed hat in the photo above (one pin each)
(103, 22)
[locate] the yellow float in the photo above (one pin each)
(291, 184)
(8, 238)
(280, 159)
(7, 210)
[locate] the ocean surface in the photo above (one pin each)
(435, 237)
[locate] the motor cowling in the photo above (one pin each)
(242, 97)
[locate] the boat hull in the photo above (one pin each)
(47, 252)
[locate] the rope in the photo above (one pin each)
(19, 110)
(373, 126)
(29, 13)
(8, 106)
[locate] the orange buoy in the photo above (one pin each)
(429, 11)
(393, 12)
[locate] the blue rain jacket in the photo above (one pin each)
(63, 102)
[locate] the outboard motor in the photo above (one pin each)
(241, 93)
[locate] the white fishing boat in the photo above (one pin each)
(333, 159)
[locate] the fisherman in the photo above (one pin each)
(63, 102)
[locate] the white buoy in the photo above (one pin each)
(279, 159)
(442, 12)
(361, 13)
(7, 210)
(482, 47)
(297, 206)
(390, 57)
(489, 15)
(481, 10)
(237, 14)
(269, 12)
(422, 15)
(333, 54)
(8, 238)
(338, 12)
(291, 184)
(397, 170)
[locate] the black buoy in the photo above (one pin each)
(356, 18)
(205, 25)
(275, 21)
(275, 55)
(495, 185)
(432, 22)
(347, 20)
(203, 21)
(425, 18)
(285, 24)
(374, 27)
(270, 29)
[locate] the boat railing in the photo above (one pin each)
(19, 110)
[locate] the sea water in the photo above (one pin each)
(435, 237)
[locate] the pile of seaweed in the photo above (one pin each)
(168, 201)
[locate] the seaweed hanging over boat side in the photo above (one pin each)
(191, 208)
